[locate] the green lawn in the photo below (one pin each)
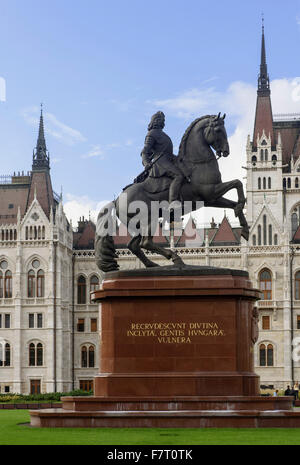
(13, 432)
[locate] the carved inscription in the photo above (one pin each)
(176, 333)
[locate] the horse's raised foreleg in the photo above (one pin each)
(226, 203)
(135, 248)
(224, 187)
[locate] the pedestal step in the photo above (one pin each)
(166, 419)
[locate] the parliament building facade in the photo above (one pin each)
(50, 331)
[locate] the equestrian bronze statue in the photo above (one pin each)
(192, 176)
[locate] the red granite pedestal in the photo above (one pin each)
(176, 351)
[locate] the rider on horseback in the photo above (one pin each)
(158, 146)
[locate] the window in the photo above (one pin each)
(297, 285)
(275, 239)
(270, 234)
(86, 385)
(266, 355)
(274, 159)
(1, 285)
(264, 183)
(88, 357)
(265, 229)
(265, 322)
(294, 223)
(298, 321)
(35, 320)
(254, 239)
(269, 183)
(289, 183)
(35, 386)
(81, 290)
(94, 325)
(80, 325)
(7, 321)
(259, 183)
(40, 283)
(94, 284)
(4, 354)
(259, 234)
(265, 281)
(36, 281)
(31, 320)
(284, 184)
(31, 284)
(254, 160)
(261, 155)
(266, 155)
(8, 285)
(297, 183)
(35, 354)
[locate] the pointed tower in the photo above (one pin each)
(41, 186)
(263, 117)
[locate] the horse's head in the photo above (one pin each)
(216, 136)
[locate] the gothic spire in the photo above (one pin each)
(40, 155)
(263, 77)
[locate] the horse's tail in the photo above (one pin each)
(105, 252)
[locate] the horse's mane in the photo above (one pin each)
(181, 151)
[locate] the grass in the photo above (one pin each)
(14, 432)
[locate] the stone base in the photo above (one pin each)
(176, 351)
(181, 412)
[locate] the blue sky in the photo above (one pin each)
(103, 68)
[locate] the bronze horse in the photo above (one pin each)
(200, 161)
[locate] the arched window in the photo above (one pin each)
(274, 159)
(5, 354)
(297, 285)
(8, 285)
(275, 239)
(270, 234)
(94, 283)
(84, 357)
(265, 284)
(294, 223)
(297, 183)
(31, 284)
(259, 183)
(264, 183)
(269, 183)
(81, 290)
(289, 183)
(254, 160)
(1, 285)
(266, 355)
(284, 184)
(266, 155)
(91, 357)
(265, 229)
(40, 288)
(35, 354)
(259, 234)
(254, 239)
(88, 356)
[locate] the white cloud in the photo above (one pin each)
(78, 206)
(95, 151)
(53, 126)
